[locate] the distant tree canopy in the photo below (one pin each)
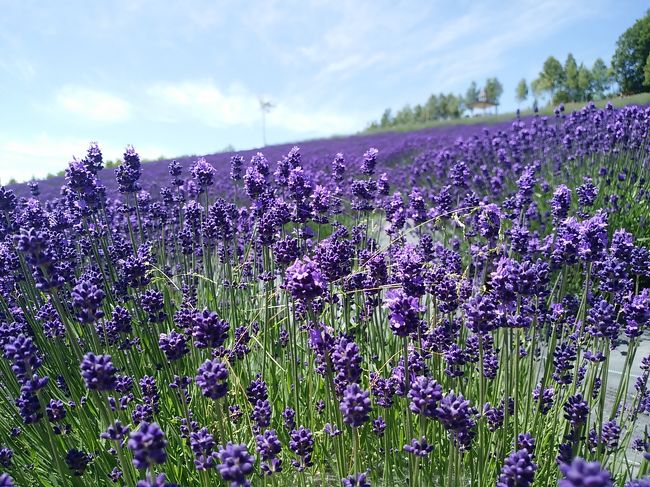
(443, 106)
(522, 91)
(631, 57)
(472, 94)
(437, 107)
(550, 78)
(573, 81)
(568, 82)
(493, 90)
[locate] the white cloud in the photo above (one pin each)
(23, 69)
(206, 102)
(93, 105)
(43, 154)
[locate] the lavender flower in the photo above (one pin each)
(87, 299)
(208, 330)
(203, 172)
(584, 474)
(174, 345)
(148, 445)
(301, 442)
(235, 464)
(77, 461)
(304, 281)
(356, 480)
(369, 161)
(212, 378)
(404, 312)
(98, 372)
(425, 395)
(576, 410)
(419, 448)
(518, 470)
(355, 405)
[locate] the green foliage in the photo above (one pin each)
(493, 90)
(584, 84)
(471, 96)
(617, 101)
(601, 79)
(386, 118)
(443, 106)
(572, 82)
(437, 107)
(631, 55)
(550, 79)
(571, 78)
(521, 91)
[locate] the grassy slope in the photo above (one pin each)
(619, 101)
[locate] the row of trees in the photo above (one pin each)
(442, 106)
(629, 73)
(568, 82)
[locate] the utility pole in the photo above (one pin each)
(265, 107)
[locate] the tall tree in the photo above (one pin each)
(453, 106)
(471, 96)
(493, 90)
(386, 118)
(584, 88)
(646, 71)
(601, 79)
(521, 91)
(404, 116)
(432, 108)
(418, 113)
(550, 79)
(571, 78)
(443, 105)
(632, 50)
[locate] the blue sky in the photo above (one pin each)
(184, 77)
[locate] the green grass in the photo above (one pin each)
(617, 101)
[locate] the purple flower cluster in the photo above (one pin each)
(473, 283)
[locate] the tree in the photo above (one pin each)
(418, 113)
(471, 96)
(493, 90)
(550, 79)
(584, 83)
(404, 116)
(521, 91)
(452, 105)
(646, 71)
(632, 50)
(442, 106)
(432, 108)
(537, 87)
(386, 118)
(601, 79)
(571, 78)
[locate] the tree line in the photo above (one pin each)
(628, 73)
(568, 82)
(444, 106)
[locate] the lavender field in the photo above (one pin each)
(458, 306)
